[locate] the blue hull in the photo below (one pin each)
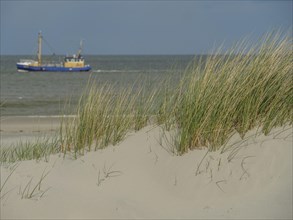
(52, 68)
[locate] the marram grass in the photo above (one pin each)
(235, 93)
(104, 116)
(39, 149)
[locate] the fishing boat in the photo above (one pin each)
(73, 63)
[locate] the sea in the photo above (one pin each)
(46, 93)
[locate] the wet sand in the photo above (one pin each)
(27, 128)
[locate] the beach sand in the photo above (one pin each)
(14, 129)
(139, 178)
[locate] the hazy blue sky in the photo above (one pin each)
(137, 27)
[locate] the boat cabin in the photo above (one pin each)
(73, 61)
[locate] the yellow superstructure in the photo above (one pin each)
(34, 64)
(71, 62)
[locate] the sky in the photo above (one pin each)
(137, 27)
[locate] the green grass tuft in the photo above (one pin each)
(105, 115)
(30, 150)
(235, 92)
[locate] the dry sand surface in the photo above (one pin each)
(140, 179)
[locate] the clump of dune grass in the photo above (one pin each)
(105, 114)
(233, 92)
(39, 149)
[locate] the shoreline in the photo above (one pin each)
(14, 129)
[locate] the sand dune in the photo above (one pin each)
(140, 179)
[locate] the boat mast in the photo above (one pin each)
(80, 49)
(40, 49)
